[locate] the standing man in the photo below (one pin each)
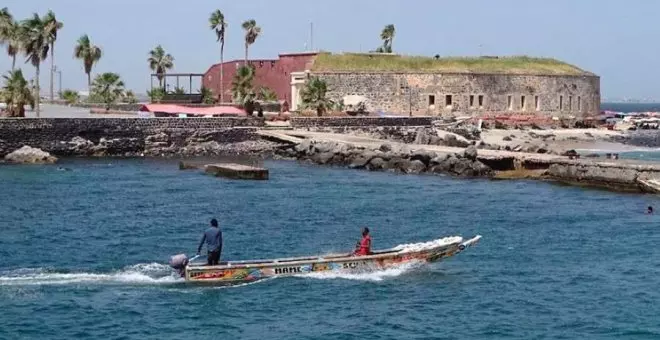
(213, 238)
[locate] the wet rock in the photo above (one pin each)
(30, 155)
(507, 139)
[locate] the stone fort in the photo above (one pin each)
(394, 84)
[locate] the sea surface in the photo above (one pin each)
(83, 255)
(631, 107)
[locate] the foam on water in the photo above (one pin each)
(428, 245)
(373, 276)
(144, 273)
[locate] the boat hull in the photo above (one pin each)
(242, 272)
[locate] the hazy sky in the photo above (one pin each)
(618, 40)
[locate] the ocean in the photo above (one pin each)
(84, 255)
(630, 107)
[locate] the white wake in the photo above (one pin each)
(367, 275)
(146, 273)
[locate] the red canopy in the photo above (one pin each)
(198, 111)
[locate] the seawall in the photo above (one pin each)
(126, 136)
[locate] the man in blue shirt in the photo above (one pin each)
(213, 238)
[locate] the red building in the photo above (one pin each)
(272, 73)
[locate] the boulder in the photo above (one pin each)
(322, 158)
(30, 155)
(470, 153)
(438, 159)
(304, 146)
(81, 146)
(376, 163)
(481, 169)
(415, 167)
(463, 167)
(422, 137)
(325, 147)
(424, 156)
(386, 147)
(361, 160)
(507, 139)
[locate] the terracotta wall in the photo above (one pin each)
(272, 73)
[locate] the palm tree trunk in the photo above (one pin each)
(37, 98)
(89, 84)
(222, 72)
(246, 53)
(13, 62)
(52, 71)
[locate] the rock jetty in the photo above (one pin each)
(387, 157)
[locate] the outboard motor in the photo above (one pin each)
(179, 263)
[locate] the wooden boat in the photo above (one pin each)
(240, 272)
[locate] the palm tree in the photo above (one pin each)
(11, 35)
(90, 54)
(16, 93)
(241, 88)
(387, 35)
(160, 62)
(218, 24)
(267, 94)
(109, 87)
(252, 32)
(313, 96)
(36, 41)
(52, 27)
(129, 97)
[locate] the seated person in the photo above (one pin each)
(364, 246)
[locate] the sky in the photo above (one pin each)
(616, 39)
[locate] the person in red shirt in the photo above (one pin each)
(364, 246)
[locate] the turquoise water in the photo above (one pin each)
(84, 251)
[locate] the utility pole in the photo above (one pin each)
(311, 36)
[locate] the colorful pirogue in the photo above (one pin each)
(239, 272)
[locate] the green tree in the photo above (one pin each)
(242, 90)
(160, 62)
(252, 32)
(156, 94)
(36, 44)
(16, 93)
(219, 26)
(267, 94)
(52, 26)
(207, 95)
(70, 96)
(129, 97)
(109, 87)
(387, 35)
(90, 54)
(313, 96)
(11, 35)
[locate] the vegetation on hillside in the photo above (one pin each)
(396, 63)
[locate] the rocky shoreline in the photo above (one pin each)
(387, 158)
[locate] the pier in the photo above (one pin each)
(236, 171)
